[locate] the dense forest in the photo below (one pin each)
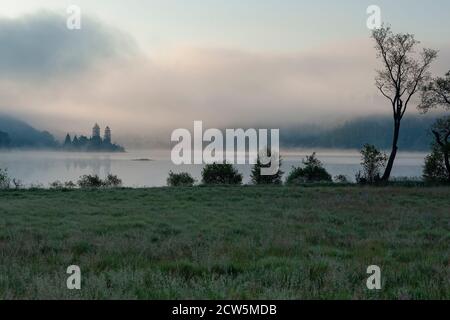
(18, 134)
(353, 134)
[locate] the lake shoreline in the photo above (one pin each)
(41, 168)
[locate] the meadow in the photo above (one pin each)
(244, 242)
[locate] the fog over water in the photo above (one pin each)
(150, 168)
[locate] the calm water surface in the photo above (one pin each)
(43, 167)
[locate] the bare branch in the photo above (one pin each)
(384, 94)
(402, 76)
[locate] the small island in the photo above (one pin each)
(93, 144)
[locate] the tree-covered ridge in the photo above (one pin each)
(5, 140)
(354, 134)
(18, 134)
(95, 143)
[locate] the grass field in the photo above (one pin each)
(226, 243)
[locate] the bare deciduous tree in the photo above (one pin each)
(404, 72)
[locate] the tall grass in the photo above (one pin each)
(226, 242)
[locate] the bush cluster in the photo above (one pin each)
(94, 181)
(221, 174)
(182, 179)
(312, 171)
(5, 181)
(434, 169)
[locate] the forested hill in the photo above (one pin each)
(18, 134)
(415, 134)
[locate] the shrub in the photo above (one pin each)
(69, 185)
(372, 162)
(17, 183)
(258, 178)
(60, 185)
(360, 178)
(221, 174)
(409, 182)
(94, 181)
(312, 171)
(434, 169)
(112, 181)
(5, 181)
(56, 185)
(36, 186)
(441, 149)
(341, 179)
(183, 179)
(90, 181)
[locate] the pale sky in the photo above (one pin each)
(145, 66)
(249, 24)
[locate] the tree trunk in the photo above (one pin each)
(390, 164)
(445, 147)
(447, 163)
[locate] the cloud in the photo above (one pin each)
(41, 45)
(221, 87)
(98, 75)
(236, 88)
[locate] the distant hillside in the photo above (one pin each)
(415, 134)
(18, 134)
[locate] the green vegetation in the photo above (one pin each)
(341, 178)
(4, 179)
(312, 171)
(221, 174)
(182, 179)
(373, 162)
(258, 178)
(240, 242)
(434, 169)
(62, 185)
(437, 163)
(437, 95)
(94, 181)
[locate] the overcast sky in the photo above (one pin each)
(146, 66)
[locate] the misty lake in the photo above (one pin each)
(150, 168)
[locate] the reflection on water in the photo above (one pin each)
(42, 168)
